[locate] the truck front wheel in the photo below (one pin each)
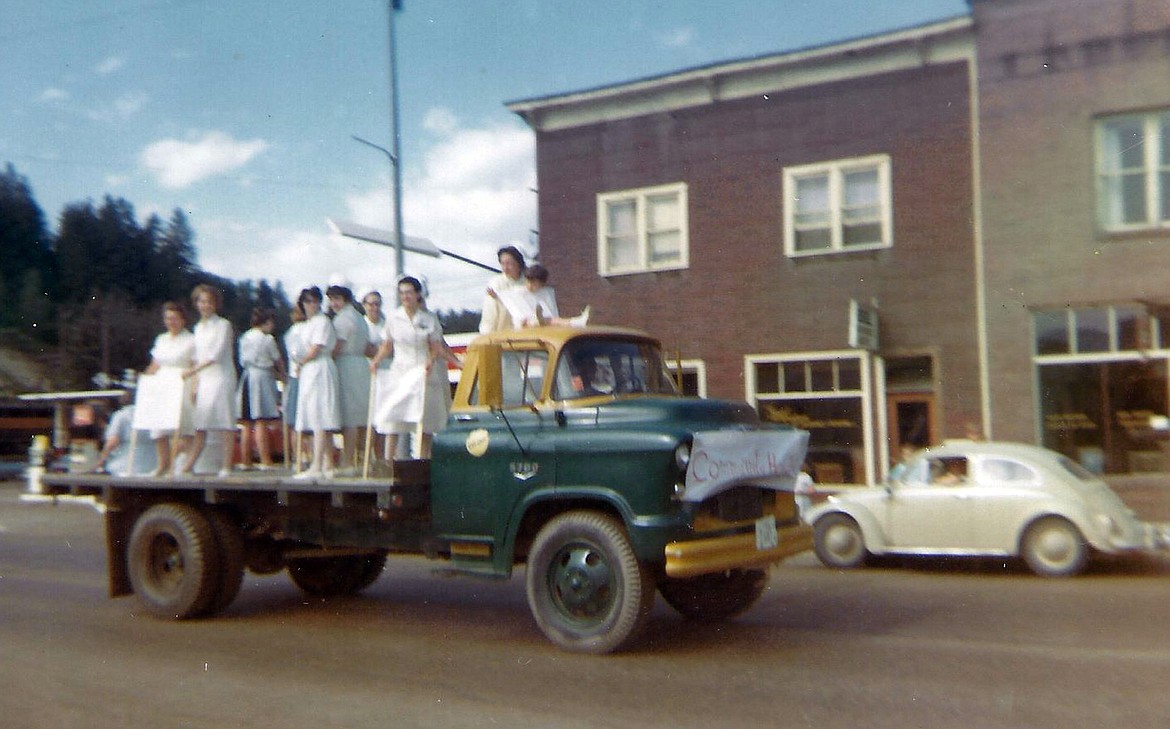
(173, 561)
(586, 588)
(716, 596)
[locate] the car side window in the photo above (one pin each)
(1001, 470)
(948, 471)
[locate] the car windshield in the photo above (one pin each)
(611, 367)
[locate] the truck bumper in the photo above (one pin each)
(714, 554)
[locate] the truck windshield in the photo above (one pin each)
(590, 367)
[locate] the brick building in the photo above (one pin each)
(763, 216)
(1075, 198)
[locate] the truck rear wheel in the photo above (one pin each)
(173, 561)
(334, 576)
(716, 596)
(229, 541)
(586, 588)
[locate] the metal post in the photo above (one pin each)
(395, 156)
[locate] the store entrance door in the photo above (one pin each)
(911, 420)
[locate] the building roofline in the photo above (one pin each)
(741, 78)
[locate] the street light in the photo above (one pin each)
(393, 157)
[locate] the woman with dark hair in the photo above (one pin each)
(318, 409)
(353, 372)
(173, 351)
(215, 379)
(420, 391)
(495, 316)
(257, 397)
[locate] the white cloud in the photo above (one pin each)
(440, 120)
(110, 65)
(129, 104)
(53, 95)
(676, 37)
(178, 163)
(470, 194)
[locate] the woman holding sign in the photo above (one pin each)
(418, 399)
(172, 354)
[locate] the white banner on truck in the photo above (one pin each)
(721, 459)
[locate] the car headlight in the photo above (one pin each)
(682, 456)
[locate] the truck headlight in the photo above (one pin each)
(682, 456)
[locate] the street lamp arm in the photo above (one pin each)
(380, 148)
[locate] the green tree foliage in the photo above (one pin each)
(92, 296)
(26, 257)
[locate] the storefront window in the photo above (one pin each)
(1051, 332)
(1098, 413)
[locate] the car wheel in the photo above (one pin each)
(1054, 547)
(838, 541)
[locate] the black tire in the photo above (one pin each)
(586, 588)
(173, 561)
(714, 597)
(838, 541)
(263, 556)
(230, 542)
(371, 570)
(1053, 547)
(336, 576)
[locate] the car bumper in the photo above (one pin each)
(695, 557)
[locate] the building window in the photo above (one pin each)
(1133, 171)
(839, 206)
(693, 380)
(823, 393)
(1092, 330)
(642, 230)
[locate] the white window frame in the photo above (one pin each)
(1108, 206)
(691, 366)
(835, 170)
(639, 197)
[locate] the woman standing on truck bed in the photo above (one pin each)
(257, 397)
(353, 373)
(318, 403)
(173, 350)
(215, 384)
(419, 396)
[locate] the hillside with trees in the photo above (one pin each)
(86, 299)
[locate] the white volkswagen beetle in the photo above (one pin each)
(982, 498)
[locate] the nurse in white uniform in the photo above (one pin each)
(215, 383)
(173, 350)
(419, 395)
(318, 406)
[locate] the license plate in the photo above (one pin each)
(766, 536)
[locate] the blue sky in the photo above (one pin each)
(240, 113)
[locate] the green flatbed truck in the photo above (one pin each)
(567, 450)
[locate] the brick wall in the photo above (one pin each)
(741, 294)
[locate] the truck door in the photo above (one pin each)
(491, 456)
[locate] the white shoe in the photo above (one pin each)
(308, 474)
(583, 318)
(345, 471)
(224, 473)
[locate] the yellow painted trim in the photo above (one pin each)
(701, 556)
(471, 549)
